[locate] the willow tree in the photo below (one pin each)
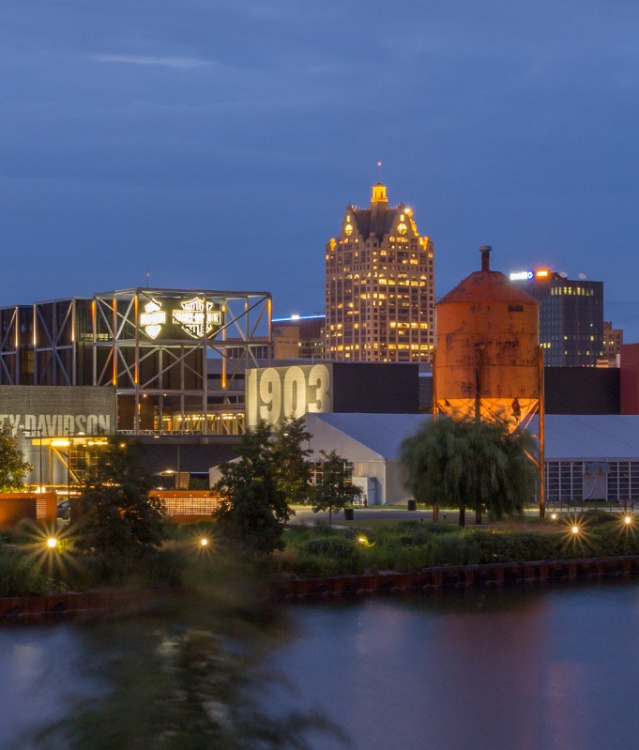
(470, 463)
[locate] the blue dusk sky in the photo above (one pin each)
(216, 143)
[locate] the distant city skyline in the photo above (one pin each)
(217, 145)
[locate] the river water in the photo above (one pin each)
(499, 670)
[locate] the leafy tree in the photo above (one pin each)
(118, 518)
(334, 488)
(253, 506)
(13, 467)
(291, 459)
(470, 463)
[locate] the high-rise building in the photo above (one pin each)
(380, 287)
(298, 337)
(570, 317)
(613, 341)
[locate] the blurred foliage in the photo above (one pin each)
(185, 673)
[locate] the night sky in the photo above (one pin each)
(216, 143)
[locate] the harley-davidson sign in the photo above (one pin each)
(168, 318)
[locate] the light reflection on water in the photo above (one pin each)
(38, 678)
(498, 670)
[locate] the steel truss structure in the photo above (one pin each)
(176, 357)
(16, 345)
(162, 376)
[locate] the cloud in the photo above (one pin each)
(168, 62)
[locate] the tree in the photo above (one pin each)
(334, 488)
(253, 505)
(118, 518)
(505, 466)
(291, 459)
(424, 457)
(13, 467)
(470, 463)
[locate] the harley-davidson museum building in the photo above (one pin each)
(165, 365)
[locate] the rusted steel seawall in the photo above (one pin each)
(38, 608)
(459, 577)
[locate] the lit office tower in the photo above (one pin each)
(570, 317)
(380, 290)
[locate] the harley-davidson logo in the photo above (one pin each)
(197, 317)
(152, 319)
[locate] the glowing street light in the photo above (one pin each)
(204, 542)
(627, 520)
(52, 542)
(575, 529)
(363, 540)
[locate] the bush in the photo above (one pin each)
(188, 531)
(598, 517)
(517, 547)
(413, 545)
(336, 547)
(413, 558)
(21, 574)
(317, 566)
(154, 569)
(449, 550)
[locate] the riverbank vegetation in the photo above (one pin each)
(403, 546)
(28, 566)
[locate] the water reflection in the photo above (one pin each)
(509, 670)
(520, 670)
(37, 679)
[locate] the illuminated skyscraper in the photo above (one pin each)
(380, 288)
(570, 317)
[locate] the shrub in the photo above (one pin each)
(154, 569)
(598, 517)
(21, 574)
(413, 558)
(449, 550)
(308, 565)
(516, 547)
(330, 546)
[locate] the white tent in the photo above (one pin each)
(587, 456)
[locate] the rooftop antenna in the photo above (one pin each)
(148, 276)
(379, 171)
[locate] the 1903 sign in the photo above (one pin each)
(277, 394)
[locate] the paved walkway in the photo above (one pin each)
(304, 514)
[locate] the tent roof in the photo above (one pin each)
(568, 436)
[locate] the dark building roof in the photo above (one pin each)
(378, 218)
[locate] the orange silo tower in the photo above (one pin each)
(488, 363)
